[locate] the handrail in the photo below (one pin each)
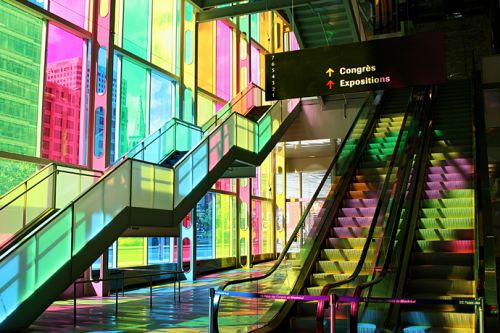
(379, 212)
(394, 215)
(300, 223)
(485, 261)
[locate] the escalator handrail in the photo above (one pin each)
(396, 209)
(302, 220)
(327, 289)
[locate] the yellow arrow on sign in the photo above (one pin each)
(330, 72)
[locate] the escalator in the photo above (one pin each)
(344, 244)
(441, 266)
(326, 248)
(137, 191)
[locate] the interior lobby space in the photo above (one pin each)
(249, 166)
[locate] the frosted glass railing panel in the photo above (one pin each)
(276, 116)
(243, 126)
(152, 152)
(229, 128)
(18, 277)
(264, 130)
(183, 179)
(167, 144)
(200, 163)
(142, 185)
(70, 183)
(39, 197)
(116, 192)
(12, 217)
(164, 182)
(186, 137)
(89, 216)
(53, 247)
(215, 148)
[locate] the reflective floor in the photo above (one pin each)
(97, 314)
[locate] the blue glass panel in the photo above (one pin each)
(161, 101)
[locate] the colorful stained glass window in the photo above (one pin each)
(255, 59)
(20, 57)
(65, 78)
(206, 109)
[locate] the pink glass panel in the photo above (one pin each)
(256, 227)
(71, 10)
(294, 45)
(223, 69)
(255, 58)
(63, 96)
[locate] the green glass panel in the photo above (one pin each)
(133, 106)
(188, 105)
(135, 27)
(244, 24)
(20, 57)
(131, 251)
(255, 27)
(188, 58)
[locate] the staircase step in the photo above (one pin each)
(357, 212)
(363, 222)
(447, 212)
(451, 168)
(444, 234)
(438, 319)
(455, 246)
(353, 232)
(444, 177)
(346, 243)
(336, 267)
(447, 203)
(443, 194)
(442, 272)
(446, 223)
(344, 254)
(448, 185)
(456, 162)
(443, 258)
(359, 203)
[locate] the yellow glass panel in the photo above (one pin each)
(206, 63)
(163, 34)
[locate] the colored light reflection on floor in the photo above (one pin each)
(96, 314)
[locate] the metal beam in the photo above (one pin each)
(250, 8)
(213, 3)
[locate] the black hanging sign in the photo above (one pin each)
(377, 64)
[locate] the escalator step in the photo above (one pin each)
(444, 234)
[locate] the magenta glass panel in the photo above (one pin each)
(256, 183)
(71, 10)
(218, 106)
(256, 227)
(63, 96)
(255, 59)
(223, 66)
(294, 45)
